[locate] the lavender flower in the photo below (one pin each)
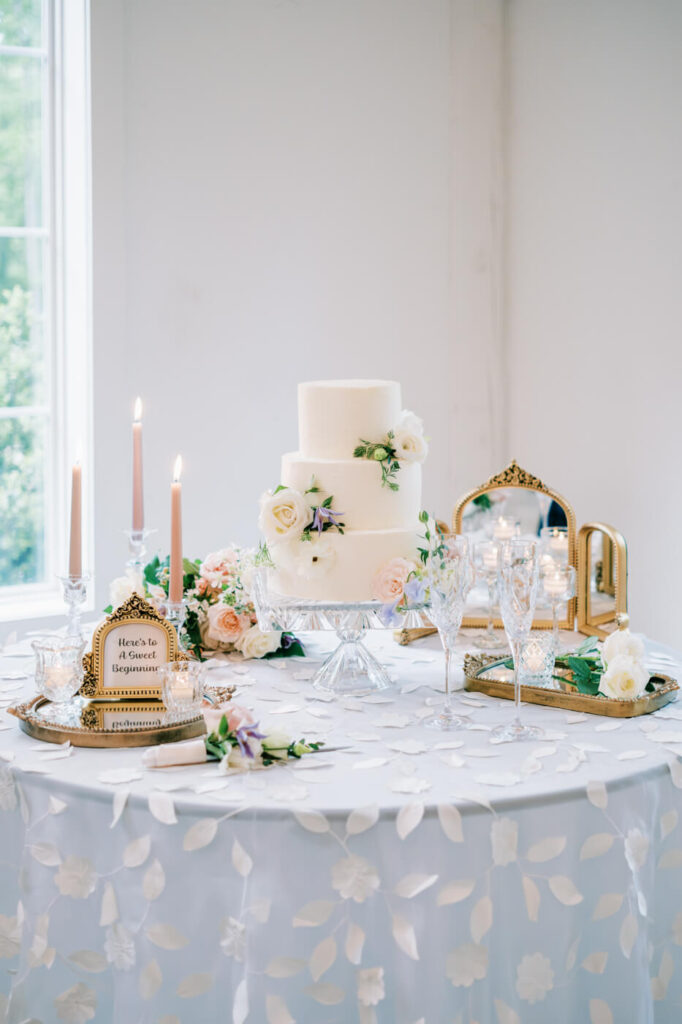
(246, 733)
(389, 616)
(415, 590)
(323, 516)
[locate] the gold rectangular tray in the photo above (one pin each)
(567, 697)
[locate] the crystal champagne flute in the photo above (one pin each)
(518, 585)
(450, 576)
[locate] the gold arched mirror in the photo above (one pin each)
(602, 579)
(516, 500)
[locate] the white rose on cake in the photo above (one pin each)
(256, 644)
(408, 438)
(622, 642)
(624, 679)
(284, 514)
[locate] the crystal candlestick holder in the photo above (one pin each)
(75, 592)
(59, 672)
(138, 549)
(176, 612)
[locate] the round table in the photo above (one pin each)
(412, 877)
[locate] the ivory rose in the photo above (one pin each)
(256, 644)
(624, 679)
(389, 582)
(283, 514)
(124, 587)
(225, 625)
(622, 642)
(408, 438)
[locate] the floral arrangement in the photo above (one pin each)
(289, 517)
(220, 613)
(404, 443)
(235, 741)
(614, 668)
(400, 584)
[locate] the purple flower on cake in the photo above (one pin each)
(388, 613)
(324, 516)
(415, 590)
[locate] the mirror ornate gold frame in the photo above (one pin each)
(613, 578)
(513, 476)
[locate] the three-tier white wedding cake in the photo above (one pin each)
(349, 499)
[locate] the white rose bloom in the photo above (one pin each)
(232, 941)
(236, 762)
(256, 644)
(119, 947)
(371, 986)
(76, 877)
(355, 878)
(534, 977)
(624, 679)
(408, 438)
(124, 587)
(467, 964)
(278, 742)
(622, 642)
(284, 514)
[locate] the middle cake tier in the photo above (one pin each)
(357, 490)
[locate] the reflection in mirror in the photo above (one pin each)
(514, 504)
(602, 579)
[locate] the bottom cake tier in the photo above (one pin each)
(357, 557)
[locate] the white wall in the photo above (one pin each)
(594, 264)
(285, 192)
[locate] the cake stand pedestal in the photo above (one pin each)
(350, 670)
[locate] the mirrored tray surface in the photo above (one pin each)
(486, 673)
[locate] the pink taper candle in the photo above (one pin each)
(175, 585)
(76, 544)
(138, 490)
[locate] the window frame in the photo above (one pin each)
(67, 292)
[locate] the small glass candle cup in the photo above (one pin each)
(536, 666)
(59, 667)
(182, 686)
(504, 528)
(554, 542)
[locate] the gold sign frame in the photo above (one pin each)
(134, 610)
(615, 573)
(514, 476)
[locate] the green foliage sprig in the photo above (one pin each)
(384, 453)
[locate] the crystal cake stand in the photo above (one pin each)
(350, 670)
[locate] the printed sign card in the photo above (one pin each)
(127, 650)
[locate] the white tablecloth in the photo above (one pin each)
(416, 877)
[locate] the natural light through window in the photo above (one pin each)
(44, 287)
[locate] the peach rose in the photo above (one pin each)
(224, 625)
(389, 582)
(217, 567)
(236, 717)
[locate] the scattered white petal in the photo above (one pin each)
(118, 776)
(370, 762)
(410, 785)
(162, 808)
(630, 755)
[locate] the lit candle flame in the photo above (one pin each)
(177, 469)
(137, 414)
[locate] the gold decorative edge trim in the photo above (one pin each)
(607, 707)
(587, 623)
(135, 609)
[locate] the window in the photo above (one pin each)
(44, 290)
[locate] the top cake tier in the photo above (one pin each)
(334, 415)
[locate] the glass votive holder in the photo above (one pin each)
(59, 667)
(536, 665)
(554, 542)
(182, 686)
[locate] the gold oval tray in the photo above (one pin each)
(567, 697)
(120, 723)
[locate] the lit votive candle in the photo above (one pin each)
(534, 657)
(490, 558)
(504, 528)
